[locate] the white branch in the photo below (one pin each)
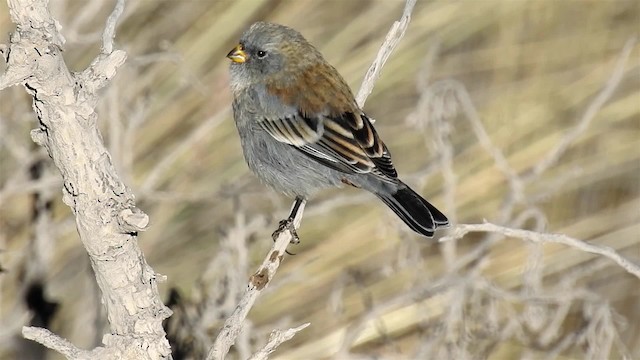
(276, 338)
(110, 28)
(106, 216)
(395, 34)
(53, 342)
(257, 283)
(461, 230)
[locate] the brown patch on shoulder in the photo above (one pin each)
(317, 89)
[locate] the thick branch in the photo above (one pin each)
(53, 342)
(106, 216)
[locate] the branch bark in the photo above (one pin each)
(395, 34)
(258, 282)
(462, 229)
(106, 216)
(276, 338)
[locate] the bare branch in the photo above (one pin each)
(276, 338)
(463, 229)
(107, 219)
(395, 34)
(258, 282)
(594, 107)
(110, 28)
(53, 342)
(515, 182)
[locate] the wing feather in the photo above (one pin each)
(326, 125)
(337, 142)
(292, 130)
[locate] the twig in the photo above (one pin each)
(591, 112)
(515, 182)
(53, 342)
(463, 229)
(224, 281)
(392, 39)
(110, 28)
(276, 338)
(257, 283)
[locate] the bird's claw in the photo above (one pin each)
(287, 224)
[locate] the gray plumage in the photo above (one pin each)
(278, 165)
(301, 130)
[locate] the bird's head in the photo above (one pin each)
(270, 53)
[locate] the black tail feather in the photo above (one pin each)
(416, 212)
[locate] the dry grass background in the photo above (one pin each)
(366, 284)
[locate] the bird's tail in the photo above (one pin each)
(416, 212)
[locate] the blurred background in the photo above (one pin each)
(523, 113)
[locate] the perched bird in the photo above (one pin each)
(301, 129)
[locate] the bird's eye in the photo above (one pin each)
(261, 54)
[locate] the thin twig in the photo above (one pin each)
(276, 338)
(392, 40)
(110, 28)
(52, 341)
(592, 110)
(463, 229)
(257, 284)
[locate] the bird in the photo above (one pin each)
(301, 130)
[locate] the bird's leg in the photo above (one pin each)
(289, 223)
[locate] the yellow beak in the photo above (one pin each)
(237, 55)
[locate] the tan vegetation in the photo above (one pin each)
(523, 113)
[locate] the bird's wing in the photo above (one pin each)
(323, 121)
(347, 143)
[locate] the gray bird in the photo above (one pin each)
(302, 131)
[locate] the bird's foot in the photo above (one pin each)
(287, 224)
